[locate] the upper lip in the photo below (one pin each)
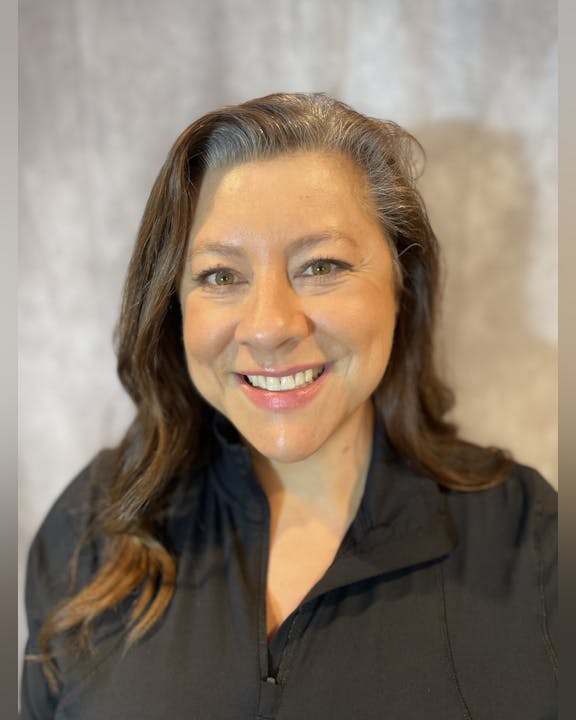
(285, 371)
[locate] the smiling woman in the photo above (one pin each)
(306, 303)
(290, 527)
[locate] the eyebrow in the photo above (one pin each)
(230, 249)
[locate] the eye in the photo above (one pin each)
(216, 277)
(323, 267)
(221, 277)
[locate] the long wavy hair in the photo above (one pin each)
(169, 429)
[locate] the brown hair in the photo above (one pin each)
(169, 427)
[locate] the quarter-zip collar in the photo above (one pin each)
(402, 520)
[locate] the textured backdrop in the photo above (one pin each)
(105, 87)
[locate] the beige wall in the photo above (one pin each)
(107, 86)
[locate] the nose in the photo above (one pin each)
(272, 315)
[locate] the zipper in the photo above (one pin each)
(270, 691)
(262, 600)
(266, 673)
(271, 687)
(285, 654)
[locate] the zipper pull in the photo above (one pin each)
(269, 698)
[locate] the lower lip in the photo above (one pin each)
(286, 399)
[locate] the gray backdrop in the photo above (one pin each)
(105, 87)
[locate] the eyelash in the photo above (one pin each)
(202, 277)
(337, 265)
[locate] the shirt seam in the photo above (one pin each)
(542, 612)
(449, 651)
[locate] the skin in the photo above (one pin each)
(267, 305)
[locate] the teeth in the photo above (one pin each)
(286, 382)
(273, 383)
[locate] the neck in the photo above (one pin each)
(331, 482)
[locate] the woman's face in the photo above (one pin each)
(288, 300)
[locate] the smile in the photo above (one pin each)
(284, 383)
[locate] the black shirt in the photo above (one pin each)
(439, 604)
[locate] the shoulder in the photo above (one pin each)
(79, 502)
(67, 524)
(501, 585)
(507, 534)
(524, 499)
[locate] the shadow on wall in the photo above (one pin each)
(480, 194)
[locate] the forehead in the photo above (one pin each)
(311, 169)
(282, 196)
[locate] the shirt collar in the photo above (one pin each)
(403, 521)
(403, 518)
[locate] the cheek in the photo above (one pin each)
(373, 336)
(206, 333)
(364, 323)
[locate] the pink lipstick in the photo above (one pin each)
(286, 390)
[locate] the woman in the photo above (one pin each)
(290, 527)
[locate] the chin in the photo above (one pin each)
(282, 449)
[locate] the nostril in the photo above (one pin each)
(269, 330)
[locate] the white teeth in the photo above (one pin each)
(286, 382)
(273, 383)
